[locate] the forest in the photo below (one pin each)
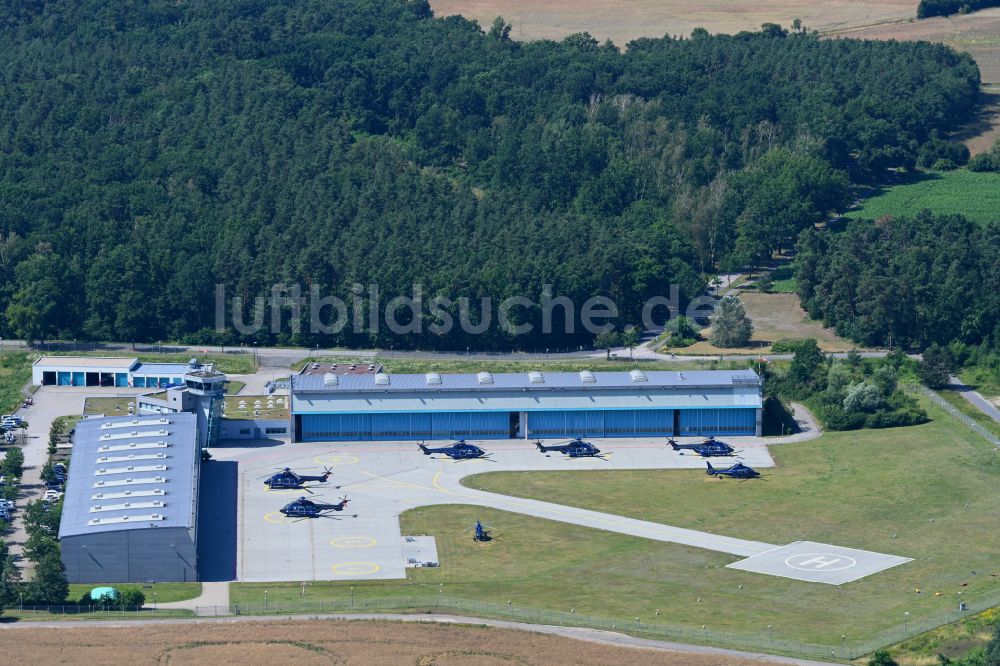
(905, 282)
(150, 151)
(929, 8)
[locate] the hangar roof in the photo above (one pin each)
(534, 380)
(534, 391)
(163, 369)
(86, 362)
(132, 472)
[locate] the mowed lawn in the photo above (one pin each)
(901, 491)
(975, 195)
(852, 489)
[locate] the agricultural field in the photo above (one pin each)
(327, 641)
(974, 195)
(917, 492)
(626, 20)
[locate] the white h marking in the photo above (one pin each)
(819, 562)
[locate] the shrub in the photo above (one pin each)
(786, 346)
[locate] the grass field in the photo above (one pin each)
(975, 195)
(250, 410)
(855, 489)
(984, 379)
(233, 386)
(784, 281)
(952, 640)
(326, 642)
(776, 316)
(164, 591)
(114, 406)
(229, 363)
(626, 20)
(961, 404)
(596, 364)
(15, 372)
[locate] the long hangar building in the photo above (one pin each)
(524, 405)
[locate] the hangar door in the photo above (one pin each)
(718, 422)
(598, 423)
(404, 426)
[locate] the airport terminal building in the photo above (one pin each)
(635, 403)
(130, 512)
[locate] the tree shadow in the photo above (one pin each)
(217, 505)
(985, 120)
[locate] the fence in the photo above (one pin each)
(964, 418)
(766, 640)
(95, 612)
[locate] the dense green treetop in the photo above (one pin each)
(150, 150)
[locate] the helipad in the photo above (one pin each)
(819, 562)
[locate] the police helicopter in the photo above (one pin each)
(706, 449)
(737, 471)
(575, 448)
(286, 478)
(481, 533)
(460, 450)
(306, 508)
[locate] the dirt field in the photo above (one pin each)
(776, 317)
(323, 642)
(624, 20)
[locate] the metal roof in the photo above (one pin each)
(526, 401)
(709, 389)
(553, 381)
(132, 473)
(86, 362)
(162, 369)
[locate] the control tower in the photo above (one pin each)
(205, 388)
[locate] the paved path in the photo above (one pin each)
(456, 493)
(977, 400)
(213, 599)
(291, 355)
(577, 633)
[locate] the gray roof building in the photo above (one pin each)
(130, 512)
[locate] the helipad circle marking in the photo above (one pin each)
(820, 562)
(353, 542)
(355, 568)
(335, 459)
(276, 517)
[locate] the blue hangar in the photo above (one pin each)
(379, 406)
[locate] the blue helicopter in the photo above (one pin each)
(575, 448)
(460, 450)
(480, 532)
(737, 471)
(286, 478)
(707, 449)
(306, 508)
